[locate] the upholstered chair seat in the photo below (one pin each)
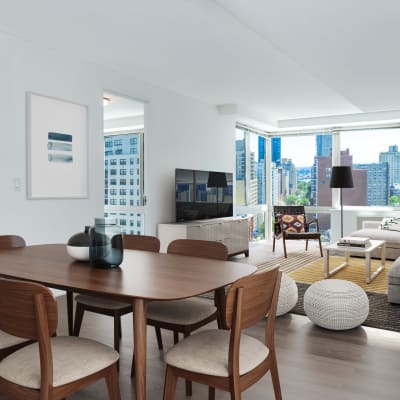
(181, 312)
(7, 340)
(72, 359)
(207, 353)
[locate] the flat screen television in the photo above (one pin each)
(203, 194)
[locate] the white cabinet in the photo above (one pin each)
(233, 232)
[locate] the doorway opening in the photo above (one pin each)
(123, 162)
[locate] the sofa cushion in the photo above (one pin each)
(391, 238)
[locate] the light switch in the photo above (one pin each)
(17, 184)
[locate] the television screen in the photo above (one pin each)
(203, 194)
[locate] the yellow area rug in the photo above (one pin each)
(355, 272)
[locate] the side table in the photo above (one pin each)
(362, 251)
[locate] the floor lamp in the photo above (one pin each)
(341, 178)
(216, 180)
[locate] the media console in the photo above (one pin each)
(233, 232)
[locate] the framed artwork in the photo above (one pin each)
(57, 148)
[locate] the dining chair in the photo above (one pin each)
(53, 367)
(11, 242)
(231, 360)
(186, 315)
(8, 242)
(113, 308)
(10, 343)
(291, 224)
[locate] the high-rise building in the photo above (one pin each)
(289, 177)
(122, 186)
(324, 149)
(276, 151)
(241, 159)
(261, 171)
(324, 145)
(392, 157)
(377, 183)
(323, 193)
(275, 184)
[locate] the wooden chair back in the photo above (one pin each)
(141, 242)
(199, 248)
(27, 310)
(11, 242)
(249, 299)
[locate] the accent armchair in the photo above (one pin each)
(291, 224)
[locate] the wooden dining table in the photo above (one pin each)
(142, 277)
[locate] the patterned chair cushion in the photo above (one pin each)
(293, 223)
(289, 223)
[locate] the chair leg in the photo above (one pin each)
(275, 378)
(235, 391)
(117, 332)
(176, 337)
(78, 318)
(159, 338)
(170, 384)
(188, 384)
(273, 244)
(113, 384)
(284, 246)
(211, 393)
(70, 312)
(120, 327)
(320, 247)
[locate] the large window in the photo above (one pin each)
(251, 189)
(123, 200)
(375, 166)
(300, 174)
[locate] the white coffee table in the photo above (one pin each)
(346, 251)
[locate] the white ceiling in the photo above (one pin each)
(284, 59)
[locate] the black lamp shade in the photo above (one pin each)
(341, 177)
(216, 179)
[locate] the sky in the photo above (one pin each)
(365, 146)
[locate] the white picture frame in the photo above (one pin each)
(57, 148)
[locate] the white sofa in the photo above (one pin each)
(373, 230)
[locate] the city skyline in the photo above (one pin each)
(368, 152)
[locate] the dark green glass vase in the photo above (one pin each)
(106, 250)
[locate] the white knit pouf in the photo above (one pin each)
(288, 295)
(336, 304)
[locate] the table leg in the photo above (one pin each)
(380, 268)
(347, 256)
(328, 273)
(220, 304)
(326, 263)
(368, 267)
(70, 312)
(139, 335)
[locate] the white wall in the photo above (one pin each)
(180, 132)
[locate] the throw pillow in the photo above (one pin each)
(293, 223)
